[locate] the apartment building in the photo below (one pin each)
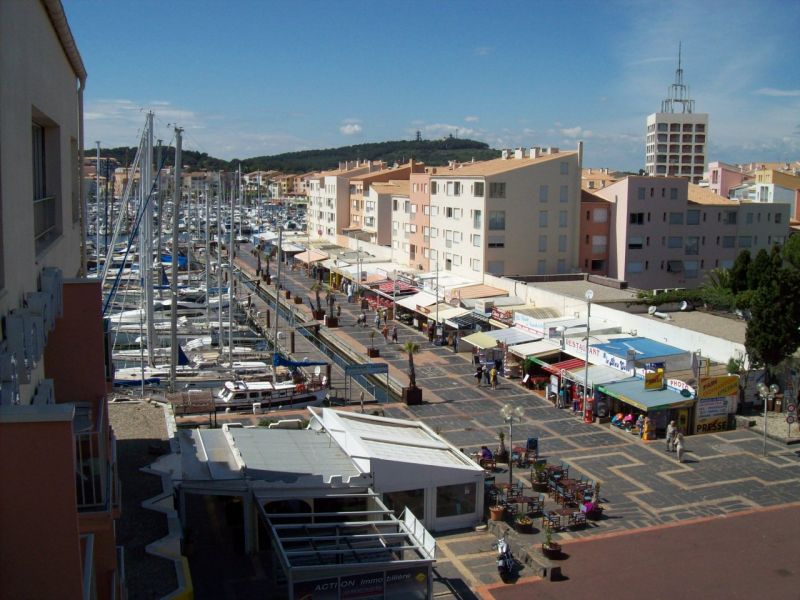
(595, 232)
(596, 179)
(722, 177)
(668, 233)
(514, 215)
(677, 136)
(329, 198)
(59, 492)
(300, 184)
(771, 186)
(360, 190)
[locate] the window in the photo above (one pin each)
(728, 241)
(778, 218)
(475, 264)
(635, 243)
(497, 189)
(426, 209)
(564, 166)
(448, 212)
(543, 189)
(637, 218)
(692, 246)
(745, 241)
(426, 231)
(394, 204)
(476, 239)
(497, 220)
(730, 217)
(476, 219)
(477, 189)
(598, 265)
(562, 243)
(562, 218)
(45, 167)
(413, 208)
(434, 187)
(496, 242)
(561, 265)
(542, 218)
(563, 193)
(640, 193)
(692, 217)
(434, 254)
(690, 269)
(434, 232)
(542, 243)
(748, 218)
(541, 267)
(600, 215)
(676, 218)
(635, 267)
(673, 193)
(599, 244)
(457, 212)
(674, 241)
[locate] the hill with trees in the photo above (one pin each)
(431, 152)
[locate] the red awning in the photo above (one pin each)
(556, 368)
(402, 287)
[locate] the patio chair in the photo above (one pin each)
(577, 520)
(536, 504)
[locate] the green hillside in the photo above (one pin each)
(431, 152)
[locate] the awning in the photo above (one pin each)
(513, 335)
(398, 287)
(480, 340)
(477, 290)
(631, 391)
(466, 321)
(598, 374)
(419, 299)
(566, 365)
(316, 256)
(449, 313)
(531, 349)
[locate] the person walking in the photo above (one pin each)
(493, 377)
(338, 310)
(670, 435)
(562, 398)
(377, 319)
(679, 447)
(363, 319)
(394, 334)
(640, 425)
(349, 293)
(487, 376)
(385, 316)
(385, 333)
(455, 342)
(479, 374)
(430, 333)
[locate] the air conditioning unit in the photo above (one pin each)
(52, 282)
(9, 384)
(45, 393)
(41, 305)
(484, 306)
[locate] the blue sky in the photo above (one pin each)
(248, 78)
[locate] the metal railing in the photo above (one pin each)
(93, 469)
(89, 583)
(44, 219)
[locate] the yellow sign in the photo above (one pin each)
(654, 380)
(712, 425)
(718, 387)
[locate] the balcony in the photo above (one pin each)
(96, 479)
(44, 221)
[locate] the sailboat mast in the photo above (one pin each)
(231, 257)
(146, 252)
(221, 189)
(158, 221)
(176, 201)
(277, 294)
(208, 259)
(97, 206)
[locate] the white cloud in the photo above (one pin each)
(483, 50)
(472, 119)
(350, 128)
(768, 91)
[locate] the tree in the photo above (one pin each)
(772, 332)
(791, 252)
(410, 348)
(759, 270)
(739, 272)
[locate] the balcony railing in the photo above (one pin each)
(44, 220)
(95, 469)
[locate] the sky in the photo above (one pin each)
(250, 78)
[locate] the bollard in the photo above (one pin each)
(269, 314)
(291, 342)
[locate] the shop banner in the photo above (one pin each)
(712, 414)
(407, 584)
(654, 380)
(717, 387)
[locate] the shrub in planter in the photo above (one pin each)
(523, 524)
(550, 548)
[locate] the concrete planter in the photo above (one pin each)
(412, 396)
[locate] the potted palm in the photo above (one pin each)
(411, 394)
(318, 312)
(539, 477)
(502, 452)
(372, 351)
(550, 549)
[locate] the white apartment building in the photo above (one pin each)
(379, 203)
(676, 141)
(515, 215)
(328, 200)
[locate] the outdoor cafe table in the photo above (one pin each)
(563, 515)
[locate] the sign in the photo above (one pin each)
(366, 369)
(717, 387)
(712, 414)
(712, 425)
(680, 386)
(790, 419)
(654, 380)
(791, 407)
(406, 583)
(506, 317)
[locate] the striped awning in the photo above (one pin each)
(566, 365)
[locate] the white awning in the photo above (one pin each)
(540, 348)
(512, 336)
(448, 313)
(598, 374)
(419, 299)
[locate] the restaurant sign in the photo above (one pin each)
(506, 317)
(654, 380)
(406, 583)
(577, 347)
(718, 387)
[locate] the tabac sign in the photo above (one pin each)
(718, 387)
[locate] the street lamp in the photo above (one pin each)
(394, 294)
(589, 295)
(509, 413)
(767, 394)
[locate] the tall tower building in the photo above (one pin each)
(677, 136)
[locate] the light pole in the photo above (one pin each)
(509, 413)
(394, 294)
(589, 295)
(767, 394)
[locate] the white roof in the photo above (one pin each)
(534, 348)
(512, 336)
(598, 374)
(418, 299)
(449, 313)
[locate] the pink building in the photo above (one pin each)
(722, 177)
(595, 229)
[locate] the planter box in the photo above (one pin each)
(318, 314)
(373, 352)
(553, 551)
(287, 294)
(496, 513)
(332, 321)
(523, 527)
(412, 396)
(298, 299)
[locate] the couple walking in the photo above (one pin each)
(675, 441)
(489, 375)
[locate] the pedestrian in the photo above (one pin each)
(679, 449)
(430, 333)
(493, 377)
(479, 374)
(670, 436)
(385, 333)
(349, 293)
(394, 334)
(562, 398)
(455, 342)
(385, 316)
(363, 318)
(377, 319)
(338, 310)
(640, 425)
(487, 376)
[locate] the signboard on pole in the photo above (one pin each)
(654, 380)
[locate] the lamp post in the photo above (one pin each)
(394, 294)
(589, 295)
(509, 413)
(767, 394)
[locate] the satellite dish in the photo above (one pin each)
(652, 310)
(317, 370)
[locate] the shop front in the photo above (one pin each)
(552, 371)
(522, 355)
(717, 399)
(629, 398)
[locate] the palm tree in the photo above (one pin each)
(411, 349)
(316, 287)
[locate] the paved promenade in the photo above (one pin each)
(642, 485)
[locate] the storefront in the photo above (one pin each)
(717, 401)
(521, 357)
(574, 379)
(661, 405)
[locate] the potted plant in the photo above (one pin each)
(318, 313)
(539, 477)
(550, 549)
(523, 524)
(411, 394)
(372, 351)
(497, 512)
(502, 452)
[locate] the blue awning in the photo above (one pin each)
(631, 391)
(644, 348)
